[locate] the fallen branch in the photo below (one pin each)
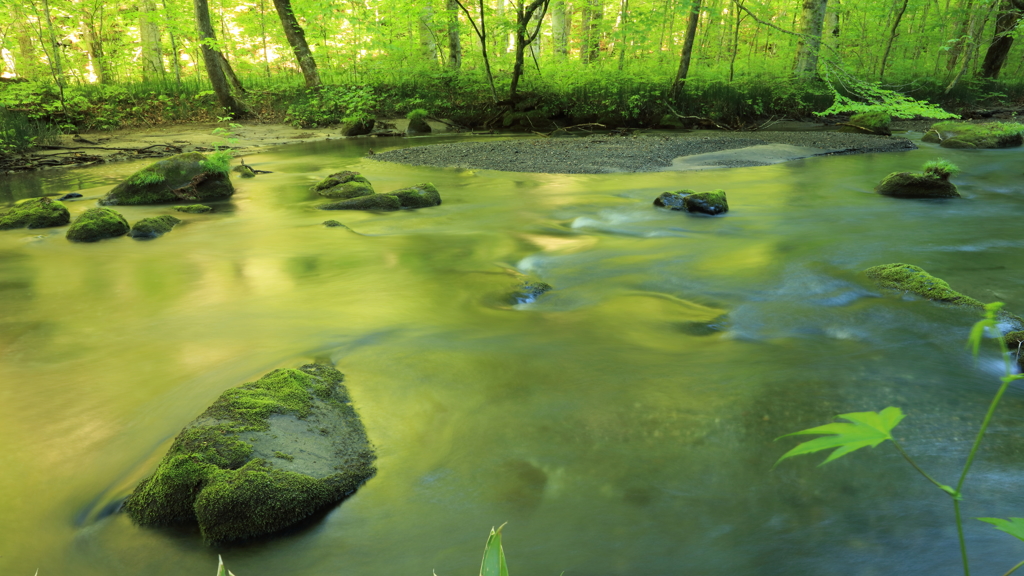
(567, 128)
(708, 120)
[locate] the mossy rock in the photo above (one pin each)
(153, 227)
(35, 213)
(419, 196)
(417, 125)
(912, 279)
(378, 202)
(869, 123)
(334, 224)
(353, 187)
(222, 471)
(966, 135)
(711, 203)
(186, 176)
(97, 224)
(1015, 344)
(245, 171)
(356, 128)
(916, 185)
(194, 209)
(528, 291)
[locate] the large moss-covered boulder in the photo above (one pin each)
(917, 185)
(356, 126)
(417, 122)
(966, 135)
(344, 185)
(35, 213)
(868, 123)
(190, 176)
(264, 456)
(378, 202)
(97, 224)
(153, 227)
(911, 279)
(711, 203)
(418, 196)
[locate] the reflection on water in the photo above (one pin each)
(622, 424)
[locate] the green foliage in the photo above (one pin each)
(493, 563)
(331, 105)
(864, 429)
(1014, 526)
(417, 114)
(19, 133)
(940, 168)
(146, 176)
(858, 96)
(219, 161)
(222, 570)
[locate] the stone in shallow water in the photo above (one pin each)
(35, 213)
(967, 135)
(194, 209)
(97, 224)
(378, 202)
(916, 185)
(264, 456)
(343, 185)
(528, 292)
(711, 203)
(419, 196)
(189, 176)
(153, 227)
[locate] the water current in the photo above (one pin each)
(618, 424)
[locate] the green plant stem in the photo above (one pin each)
(991, 410)
(960, 535)
(1014, 569)
(907, 457)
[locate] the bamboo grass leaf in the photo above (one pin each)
(222, 570)
(862, 429)
(493, 563)
(1014, 526)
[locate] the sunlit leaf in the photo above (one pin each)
(493, 563)
(988, 321)
(863, 429)
(222, 570)
(1014, 526)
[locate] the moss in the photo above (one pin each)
(417, 114)
(356, 126)
(335, 179)
(96, 224)
(333, 224)
(869, 123)
(189, 176)
(967, 135)
(712, 203)
(354, 188)
(213, 477)
(194, 209)
(219, 162)
(379, 202)
(940, 169)
(417, 122)
(35, 213)
(244, 171)
(912, 279)
(673, 200)
(153, 227)
(916, 185)
(418, 196)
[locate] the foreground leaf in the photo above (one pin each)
(1014, 526)
(988, 321)
(493, 563)
(864, 429)
(222, 570)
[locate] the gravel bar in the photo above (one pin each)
(596, 154)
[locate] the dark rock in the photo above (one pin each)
(418, 196)
(333, 224)
(966, 135)
(379, 202)
(153, 227)
(528, 292)
(35, 213)
(190, 176)
(264, 456)
(916, 185)
(194, 209)
(357, 128)
(417, 123)
(69, 196)
(97, 224)
(712, 203)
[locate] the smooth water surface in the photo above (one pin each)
(618, 424)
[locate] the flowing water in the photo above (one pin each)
(618, 424)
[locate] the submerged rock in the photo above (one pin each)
(379, 202)
(419, 196)
(917, 185)
(153, 227)
(35, 213)
(194, 209)
(69, 196)
(356, 127)
(712, 203)
(967, 135)
(264, 456)
(97, 224)
(528, 292)
(344, 185)
(869, 123)
(189, 176)
(1015, 344)
(333, 224)
(245, 171)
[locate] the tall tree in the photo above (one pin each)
(215, 62)
(1010, 14)
(524, 16)
(590, 30)
(454, 42)
(687, 53)
(297, 40)
(897, 17)
(559, 29)
(149, 32)
(481, 34)
(812, 19)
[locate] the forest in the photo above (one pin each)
(75, 65)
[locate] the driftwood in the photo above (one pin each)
(584, 127)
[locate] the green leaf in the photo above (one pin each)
(988, 321)
(493, 563)
(864, 429)
(1014, 526)
(222, 570)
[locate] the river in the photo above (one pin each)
(619, 424)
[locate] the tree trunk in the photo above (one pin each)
(812, 18)
(953, 55)
(691, 34)
(559, 38)
(830, 34)
(152, 54)
(977, 23)
(428, 46)
(623, 32)
(523, 37)
(892, 37)
(215, 62)
(481, 33)
(1010, 13)
(297, 40)
(454, 42)
(590, 47)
